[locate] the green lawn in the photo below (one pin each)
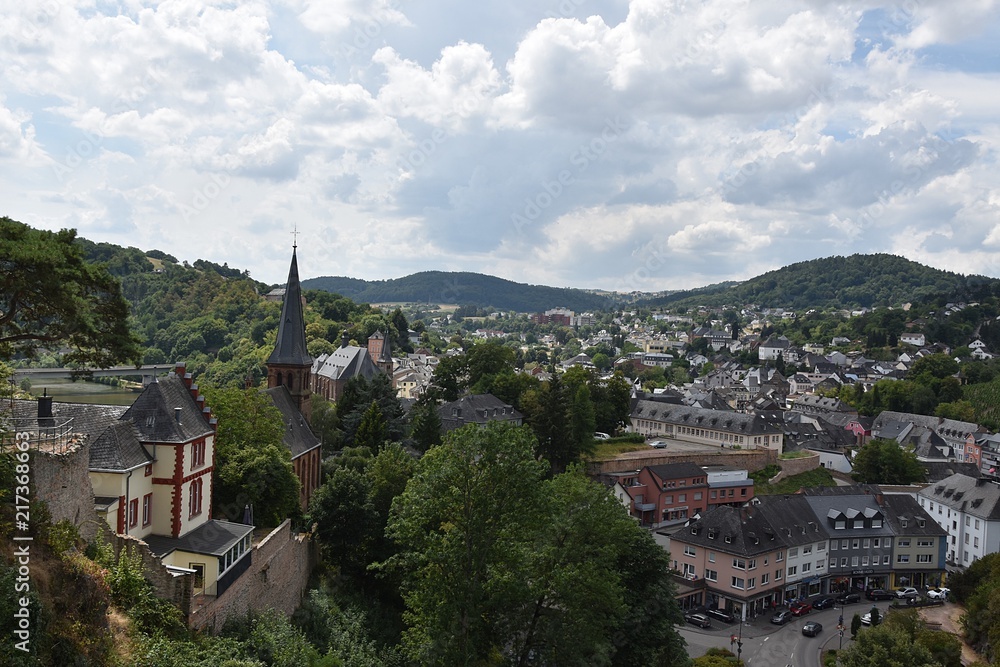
(816, 477)
(606, 450)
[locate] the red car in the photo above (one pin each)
(799, 608)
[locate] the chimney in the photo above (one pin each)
(45, 410)
(44, 405)
(344, 340)
(177, 415)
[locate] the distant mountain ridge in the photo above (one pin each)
(856, 281)
(837, 282)
(463, 288)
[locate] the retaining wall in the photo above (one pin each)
(276, 579)
(746, 459)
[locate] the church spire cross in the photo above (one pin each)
(295, 237)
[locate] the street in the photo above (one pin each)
(768, 645)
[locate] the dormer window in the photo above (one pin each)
(729, 539)
(902, 523)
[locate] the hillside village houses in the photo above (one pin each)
(775, 550)
(151, 463)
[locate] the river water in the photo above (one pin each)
(66, 391)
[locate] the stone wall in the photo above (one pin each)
(746, 459)
(276, 579)
(176, 589)
(61, 480)
(799, 465)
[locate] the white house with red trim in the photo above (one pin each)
(152, 477)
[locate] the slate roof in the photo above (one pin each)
(891, 429)
(213, 538)
(681, 470)
(118, 449)
(153, 413)
(290, 345)
(849, 501)
(792, 518)
(731, 422)
(939, 470)
(476, 409)
(748, 531)
(945, 427)
(345, 363)
(298, 437)
(905, 506)
(977, 497)
(815, 402)
(90, 419)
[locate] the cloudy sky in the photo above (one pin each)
(615, 144)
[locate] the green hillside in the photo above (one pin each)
(857, 281)
(462, 288)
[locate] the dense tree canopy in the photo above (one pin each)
(51, 297)
(499, 565)
(882, 461)
(252, 464)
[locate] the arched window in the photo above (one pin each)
(291, 382)
(279, 379)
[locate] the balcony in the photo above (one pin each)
(44, 434)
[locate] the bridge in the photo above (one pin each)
(148, 372)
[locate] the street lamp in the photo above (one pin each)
(738, 640)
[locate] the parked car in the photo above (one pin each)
(601, 436)
(781, 617)
(878, 594)
(800, 608)
(699, 619)
(848, 598)
(823, 602)
(721, 615)
(811, 629)
(938, 593)
(659, 444)
(908, 592)
(867, 619)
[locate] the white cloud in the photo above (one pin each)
(642, 142)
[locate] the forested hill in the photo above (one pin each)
(857, 281)
(462, 288)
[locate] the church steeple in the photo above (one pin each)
(290, 347)
(290, 363)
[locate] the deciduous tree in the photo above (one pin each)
(499, 566)
(252, 464)
(882, 461)
(50, 297)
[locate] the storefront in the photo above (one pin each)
(690, 594)
(865, 580)
(840, 585)
(918, 579)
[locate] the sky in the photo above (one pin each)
(606, 144)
